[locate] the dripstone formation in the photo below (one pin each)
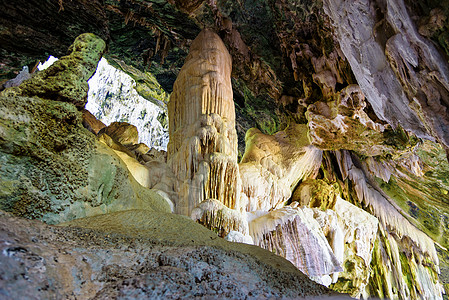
(202, 151)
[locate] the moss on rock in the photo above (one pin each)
(66, 79)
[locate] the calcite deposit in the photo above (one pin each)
(273, 165)
(294, 234)
(116, 237)
(202, 151)
(385, 55)
(342, 123)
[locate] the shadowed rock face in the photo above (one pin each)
(285, 53)
(403, 75)
(67, 79)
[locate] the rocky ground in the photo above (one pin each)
(138, 254)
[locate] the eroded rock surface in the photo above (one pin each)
(67, 79)
(342, 123)
(141, 255)
(402, 74)
(52, 168)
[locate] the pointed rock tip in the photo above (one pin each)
(208, 40)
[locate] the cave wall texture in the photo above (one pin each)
(315, 126)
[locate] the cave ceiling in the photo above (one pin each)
(278, 47)
(272, 43)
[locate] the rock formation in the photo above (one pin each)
(116, 237)
(67, 79)
(342, 123)
(294, 234)
(202, 151)
(138, 254)
(359, 231)
(385, 55)
(273, 165)
(91, 123)
(52, 168)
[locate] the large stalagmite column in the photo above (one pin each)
(202, 150)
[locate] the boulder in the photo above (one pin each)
(139, 254)
(122, 133)
(91, 123)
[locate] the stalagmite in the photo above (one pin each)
(216, 216)
(202, 151)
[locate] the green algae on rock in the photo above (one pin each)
(52, 168)
(66, 80)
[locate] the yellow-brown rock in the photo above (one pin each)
(343, 124)
(316, 193)
(123, 133)
(202, 151)
(91, 123)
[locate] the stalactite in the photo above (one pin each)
(359, 230)
(398, 237)
(401, 270)
(388, 213)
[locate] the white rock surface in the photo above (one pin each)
(295, 234)
(354, 22)
(113, 98)
(237, 237)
